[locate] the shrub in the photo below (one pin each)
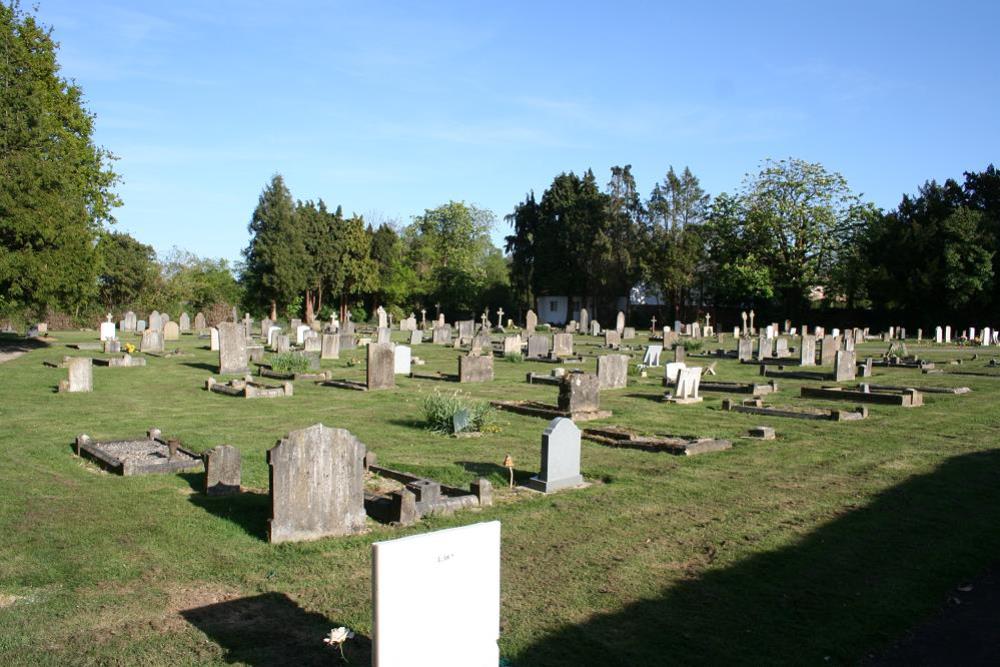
(691, 345)
(515, 358)
(288, 362)
(440, 411)
(359, 314)
(543, 327)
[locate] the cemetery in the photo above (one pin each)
(458, 394)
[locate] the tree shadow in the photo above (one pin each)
(658, 398)
(272, 629)
(12, 342)
(411, 423)
(496, 472)
(841, 592)
(248, 510)
(201, 366)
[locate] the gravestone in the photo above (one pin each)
(171, 331)
(223, 470)
(108, 330)
(300, 333)
(294, 324)
(679, 352)
(560, 467)
(140, 326)
(317, 485)
(828, 348)
(652, 355)
(383, 335)
(347, 342)
(765, 349)
(442, 335)
(416, 336)
(612, 339)
(199, 322)
(628, 333)
(152, 341)
(845, 368)
(232, 349)
(437, 569)
(482, 343)
(402, 360)
(130, 321)
(584, 320)
(612, 371)
(381, 366)
(81, 375)
(184, 323)
(383, 320)
(538, 346)
(595, 328)
(938, 335)
(781, 348)
(947, 333)
(620, 323)
(987, 336)
(313, 343)
(580, 392)
(562, 345)
(265, 326)
(745, 348)
(671, 370)
(807, 351)
(688, 381)
(213, 339)
(475, 368)
(530, 322)
(466, 330)
(512, 345)
(330, 346)
(155, 321)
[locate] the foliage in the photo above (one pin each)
(288, 362)
(275, 257)
(193, 283)
(440, 411)
(515, 358)
(692, 345)
(56, 185)
(129, 271)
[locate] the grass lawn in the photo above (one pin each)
(819, 547)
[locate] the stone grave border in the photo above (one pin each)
(247, 388)
(546, 411)
(757, 407)
(616, 436)
(907, 398)
(97, 451)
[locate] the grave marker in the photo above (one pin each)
(222, 470)
(560, 467)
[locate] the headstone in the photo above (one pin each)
(223, 469)
(562, 345)
(293, 324)
(947, 334)
(688, 381)
(317, 485)
(383, 320)
(620, 323)
(482, 343)
(108, 330)
(538, 346)
(402, 360)
(199, 322)
(652, 355)
(612, 371)
(744, 351)
(512, 345)
(383, 335)
(672, 370)
(81, 375)
(595, 328)
(272, 331)
(232, 349)
(807, 351)
(679, 352)
(475, 368)
(140, 326)
(437, 569)
(130, 321)
(330, 346)
(300, 333)
(466, 329)
(155, 321)
(781, 348)
(846, 368)
(442, 335)
(612, 339)
(765, 347)
(381, 366)
(152, 341)
(579, 392)
(213, 339)
(938, 335)
(416, 336)
(987, 336)
(584, 320)
(828, 347)
(530, 322)
(171, 331)
(184, 323)
(347, 341)
(560, 467)
(282, 343)
(313, 343)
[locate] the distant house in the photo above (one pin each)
(559, 310)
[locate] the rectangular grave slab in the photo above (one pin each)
(317, 485)
(475, 368)
(137, 456)
(613, 436)
(909, 398)
(81, 375)
(757, 408)
(233, 357)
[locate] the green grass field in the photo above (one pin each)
(819, 547)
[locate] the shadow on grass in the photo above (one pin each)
(409, 423)
(272, 629)
(248, 510)
(11, 342)
(496, 473)
(201, 366)
(841, 592)
(649, 397)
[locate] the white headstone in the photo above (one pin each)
(108, 331)
(947, 333)
(672, 370)
(455, 575)
(652, 356)
(300, 333)
(402, 360)
(938, 335)
(213, 336)
(271, 333)
(688, 381)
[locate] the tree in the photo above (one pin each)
(318, 228)
(625, 228)
(353, 269)
(735, 271)
(276, 256)
(55, 183)
(520, 247)
(196, 283)
(128, 272)
(395, 276)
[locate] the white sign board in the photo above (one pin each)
(455, 576)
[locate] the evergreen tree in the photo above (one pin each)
(128, 273)
(275, 269)
(55, 184)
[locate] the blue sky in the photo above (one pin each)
(392, 108)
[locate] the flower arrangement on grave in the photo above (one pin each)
(337, 637)
(129, 348)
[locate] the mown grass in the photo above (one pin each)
(820, 546)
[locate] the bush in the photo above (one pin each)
(288, 362)
(359, 314)
(440, 411)
(543, 327)
(515, 358)
(217, 313)
(691, 345)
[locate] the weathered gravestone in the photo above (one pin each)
(580, 392)
(416, 336)
(184, 322)
(560, 467)
(312, 343)
(232, 349)
(442, 335)
(171, 331)
(381, 366)
(281, 342)
(512, 345)
(81, 375)
(199, 322)
(584, 320)
(612, 339)
(383, 335)
(612, 371)
(155, 321)
(538, 346)
(530, 322)
(620, 323)
(781, 348)
(108, 330)
(330, 346)
(213, 339)
(383, 319)
(845, 366)
(807, 351)
(130, 321)
(765, 347)
(745, 348)
(482, 343)
(595, 328)
(265, 326)
(300, 333)
(688, 381)
(628, 333)
(562, 345)
(437, 569)
(475, 368)
(152, 341)
(317, 485)
(402, 360)
(140, 326)
(223, 470)
(828, 347)
(348, 342)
